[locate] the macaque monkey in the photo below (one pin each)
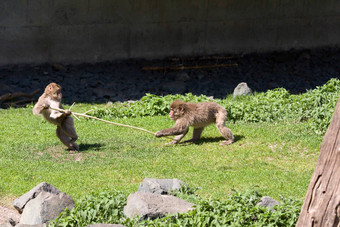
(198, 116)
(65, 127)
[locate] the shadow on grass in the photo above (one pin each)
(87, 146)
(213, 140)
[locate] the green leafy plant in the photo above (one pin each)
(315, 106)
(239, 209)
(149, 105)
(103, 207)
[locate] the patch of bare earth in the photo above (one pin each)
(60, 154)
(6, 213)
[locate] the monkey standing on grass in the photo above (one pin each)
(65, 127)
(198, 115)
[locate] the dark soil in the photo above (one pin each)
(295, 70)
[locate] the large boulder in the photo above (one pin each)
(242, 89)
(160, 186)
(20, 202)
(45, 207)
(150, 205)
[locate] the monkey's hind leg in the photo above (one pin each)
(225, 132)
(196, 135)
(66, 140)
(68, 128)
(67, 134)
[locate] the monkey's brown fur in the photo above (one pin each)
(198, 116)
(65, 126)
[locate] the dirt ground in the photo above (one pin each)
(6, 213)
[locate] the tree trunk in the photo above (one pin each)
(322, 203)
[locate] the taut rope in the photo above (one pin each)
(99, 119)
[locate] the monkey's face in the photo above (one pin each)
(57, 95)
(54, 91)
(177, 109)
(175, 113)
(172, 114)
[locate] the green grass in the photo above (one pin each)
(275, 158)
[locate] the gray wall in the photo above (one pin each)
(71, 31)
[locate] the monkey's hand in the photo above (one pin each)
(68, 112)
(159, 134)
(45, 106)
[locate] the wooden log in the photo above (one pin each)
(321, 206)
(181, 67)
(10, 96)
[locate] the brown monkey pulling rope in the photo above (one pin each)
(99, 119)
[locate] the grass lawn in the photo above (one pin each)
(277, 159)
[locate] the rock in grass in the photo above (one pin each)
(45, 207)
(150, 205)
(266, 201)
(160, 186)
(242, 89)
(20, 202)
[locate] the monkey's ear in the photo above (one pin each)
(182, 108)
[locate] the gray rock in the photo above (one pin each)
(46, 206)
(160, 186)
(20, 202)
(106, 225)
(242, 89)
(150, 205)
(266, 201)
(24, 225)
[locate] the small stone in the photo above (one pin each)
(266, 201)
(242, 89)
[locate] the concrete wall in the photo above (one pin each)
(71, 31)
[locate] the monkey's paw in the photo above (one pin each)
(45, 106)
(226, 142)
(159, 134)
(68, 112)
